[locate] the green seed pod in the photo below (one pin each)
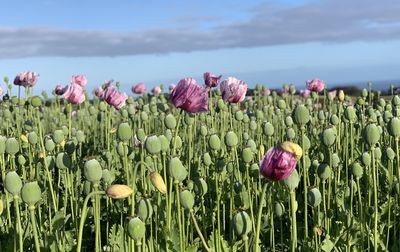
(252, 145)
(214, 142)
(334, 119)
(247, 155)
(143, 116)
(245, 136)
(390, 153)
(3, 140)
(136, 229)
(324, 171)
(63, 161)
(290, 133)
(36, 101)
(141, 135)
(366, 159)
(239, 115)
(92, 170)
(13, 183)
(164, 143)
(394, 127)
(187, 199)
(168, 134)
(49, 145)
(377, 153)
(207, 159)
(268, 129)
(288, 121)
(51, 163)
(360, 101)
(170, 121)
(33, 138)
(246, 118)
(357, 170)
(12, 146)
(220, 104)
(306, 143)
(122, 149)
(65, 130)
(350, 114)
(124, 132)
(58, 136)
(321, 115)
(203, 130)
(242, 223)
(153, 145)
(279, 209)
(301, 115)
(329, 137)
(176, 170)
(314, 197)
(201, 187)
(231, 139)
(292, 182)
(281, 104)
(253, 125)
(178, 143)
(145, 209)
(21, 160)
(108, 176)
(335, 160)
(371, 134)
(80, 136)
(31, 193)
(396, 100)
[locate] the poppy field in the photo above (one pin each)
(198, 167)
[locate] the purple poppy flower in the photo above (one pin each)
(99, 92)
(305, 93)
(75, 94)
(114, 98)
(26, 79)
(189, 96)
(233, 90)
(79, 79)
(156, 90)
(278, 164)
(139, 88)
(60, 90)
(315, 85)
(211, 80)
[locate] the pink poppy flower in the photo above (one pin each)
(189, 96)
(75, 94)
(315, 85)
(26, 79)
(139, 88)
(265, 92)
(233, 90)
(305, 93)
(211, 80)
(156, 90)
(333, 93)
(60, 90)
(114, 98)
(79, 79)
(278, 164)
(99, 92)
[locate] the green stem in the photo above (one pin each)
(33, 223)
(264, 189)
(199, 231)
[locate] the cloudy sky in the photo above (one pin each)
(269, 42)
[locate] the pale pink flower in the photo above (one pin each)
(26, 79)
(139, 88)
(156, 90)
(315, 85)
(233, 90)
(75, 94)
(79, 79)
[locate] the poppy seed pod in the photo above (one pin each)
(164, 143)
(31, 193)
(145, 209)
(335, 160)
(366, 159)
(324, 171)
(49, 145)
(371, 134)
(214, 142)
(153, 145)
(203, 130)
(292, 182)
(252, 145)
(314, 197)
(394, 127)
(396, 100)
(136, 229)
(242, 223)
(176, 169)
(92, 170)
(32, 138)
(36, 101)
(231, 139)
(290, 133)
(80, 136)
(178, 142)
(158, 182)
(247, 155)
(13, 183)
(201, 187)
(239, 115)
(124, 132)
(58, 136)
(108, 176)
(207, 159)
(390, 153)
(141, 135)
(341, 95)
(350, 114)
(63, 161)
(328, 137)
(279, 209)
(305, 142)
(281, 104)
(357, 170)
(21, 160)
(301, 115)
(334, 119)
(377, 153)
(170, 121)
(12, 146)
(187, 199)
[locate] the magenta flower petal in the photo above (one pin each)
(315, 85)
(278, 164)
(79, 79)
(60, 90)
(211, 80)
(139, 88)
(74, 94)
(233, 90)
(189, 96)
(26, 79)
(99, 92)
(114, 98)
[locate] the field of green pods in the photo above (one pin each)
(198, 168)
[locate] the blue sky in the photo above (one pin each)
(268, 42)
